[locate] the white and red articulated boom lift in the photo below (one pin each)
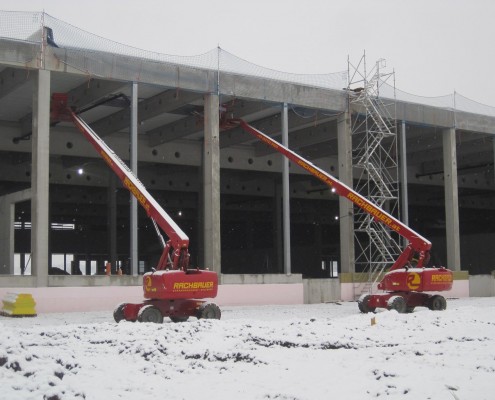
(409, 282)
(173, 289)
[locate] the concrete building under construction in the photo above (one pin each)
(272, 232)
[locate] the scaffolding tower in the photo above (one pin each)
(375, 166)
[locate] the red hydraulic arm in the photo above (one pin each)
(175, 254)
(418, 247)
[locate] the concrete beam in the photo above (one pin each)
(19, 54)
(424, 115)
(475, 122)
(162, 103)
(318, 132)
(92, 91)
(195, 124)
(279, 92)
(13, 78)
(170, 74)
(269, 126)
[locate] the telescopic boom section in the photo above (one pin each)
(418, 247)
(176, 250)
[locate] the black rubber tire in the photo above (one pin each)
(409, 309)
(397, 303)
(437, 303)
(363, 304)
(209, 311)
(179, 319)
(118, 313)
(150, 313)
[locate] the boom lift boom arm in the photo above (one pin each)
(418, 246)
(175, 253)
(406, 283)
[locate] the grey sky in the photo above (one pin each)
(434, 46)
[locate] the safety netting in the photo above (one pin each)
(89, 53)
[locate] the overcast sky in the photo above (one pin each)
(436, 47)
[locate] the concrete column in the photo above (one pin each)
(40, 228)
(211, 185)
(451, 200)
(286, 192)
(346, 212)
(134, 168)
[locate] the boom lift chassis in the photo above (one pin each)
(409, 279)
(172, 289)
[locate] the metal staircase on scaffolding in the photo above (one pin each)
(374, 136)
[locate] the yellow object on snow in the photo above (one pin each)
(19, 305)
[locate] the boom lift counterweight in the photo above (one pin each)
(409, 278)
(172, 289)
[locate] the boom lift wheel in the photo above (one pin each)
(150, 313)
(363, 304)
(437, 303)
(118, 313)
(209, 311)
(397, 303)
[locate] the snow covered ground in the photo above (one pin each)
(325, 351)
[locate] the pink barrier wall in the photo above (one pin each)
(80, 299)
(106, 298)
(242, 295)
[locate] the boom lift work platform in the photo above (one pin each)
(409, 279)
(173, 289)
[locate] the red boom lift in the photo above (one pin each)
(172, 289)
(409, 278)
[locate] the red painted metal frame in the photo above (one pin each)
(178, 284)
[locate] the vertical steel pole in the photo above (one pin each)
(403, 175)
(134, 168)
(286, 192)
